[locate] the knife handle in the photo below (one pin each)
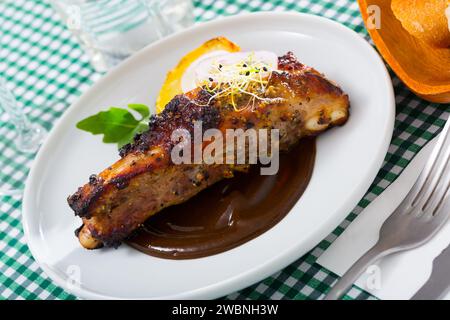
(428, 291)
(438, 284)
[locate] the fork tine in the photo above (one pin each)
(439, 191)
(416, 192)
(443, 203)
(433, 176)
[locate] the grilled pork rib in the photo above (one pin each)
(144, 181)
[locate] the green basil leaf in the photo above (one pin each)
(117, 125)
(141, 108)
(141, 127)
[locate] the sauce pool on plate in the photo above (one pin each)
(230, 212)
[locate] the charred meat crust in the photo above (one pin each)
(180, 113)
(289, 62)
(80, 200)
(308, 95)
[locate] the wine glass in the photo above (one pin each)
(28, 135)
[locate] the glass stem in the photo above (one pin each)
(17, 117)
(29, 135)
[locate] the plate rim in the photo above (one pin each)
(251, 276)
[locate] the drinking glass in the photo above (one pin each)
(28, 135)
(111, 30)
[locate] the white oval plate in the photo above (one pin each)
(348, 159)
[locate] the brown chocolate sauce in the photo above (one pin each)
(230, 212)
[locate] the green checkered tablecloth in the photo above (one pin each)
(47, 71)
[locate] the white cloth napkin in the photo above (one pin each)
(398, 276)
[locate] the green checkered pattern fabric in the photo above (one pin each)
(47, 70)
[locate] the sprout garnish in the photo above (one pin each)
(246, 77)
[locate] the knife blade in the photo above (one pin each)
(438, 285)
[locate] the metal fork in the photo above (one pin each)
(416, 220)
